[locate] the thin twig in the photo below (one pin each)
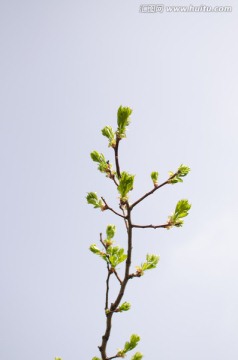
(107, 286)
(113, 357)
(152, 191)
(101, 241)
(123, 210)
(150, 226)
(117, 276)
(109, 208)
(116, 157)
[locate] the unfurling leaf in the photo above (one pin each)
(180, 212)
(103, 165)
(154, 176)
(151, 262)
(182, 171)
(94, 249)
(109, 133)
(124, 307)
(116, 255)
(92, 199)
(137, 356)
(123, 120)
(126, 183)
(111, 229)
(130, 345)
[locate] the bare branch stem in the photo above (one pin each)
(109, 208)
(152, 191)
(116, 157)
(151, 226)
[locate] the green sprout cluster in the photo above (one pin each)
(125, 185)
(182, 171)
(151, 263)
(93, 199)
(108, 132)
(103, 165)
(113, 255)
(180, 212)
(129, 345)
(123, 120)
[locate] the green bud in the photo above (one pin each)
(103, 165)
(154, 176)
(111, 229)
(180, 212)
(151, 262)
(95, 250)
(126, 183)
(95, 358)
(109, 133)
(130, 345)
(137, 356)
(57, 358)
(123, 120)
(124, 307)
(181, 172)
(92, 199)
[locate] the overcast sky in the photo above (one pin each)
(66, 67)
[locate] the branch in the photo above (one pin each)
(109, 208)
(113, 357)
(150, 226)
(117, 276)
(116, 157)
(107, 286)
(153, 190)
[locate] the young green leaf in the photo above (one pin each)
(103, 165)
(182, 171)
(180, 212)
(124, 307)
(137, 356)
(130, 345)
(92, 199)
(116, 255)
(123, 120)
(151, 262)
(154, 176)
(96, 358)
(109, 133)
(111, 229)
(94, 249)
(126, 183)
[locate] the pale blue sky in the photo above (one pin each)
(66, 66)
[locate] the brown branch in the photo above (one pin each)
(116, 157)
(113, 357)
(107, 286)
(116, 303)
(109, 208)
(101, 241)
(117, 276)
(150, 226)
(153, 190)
